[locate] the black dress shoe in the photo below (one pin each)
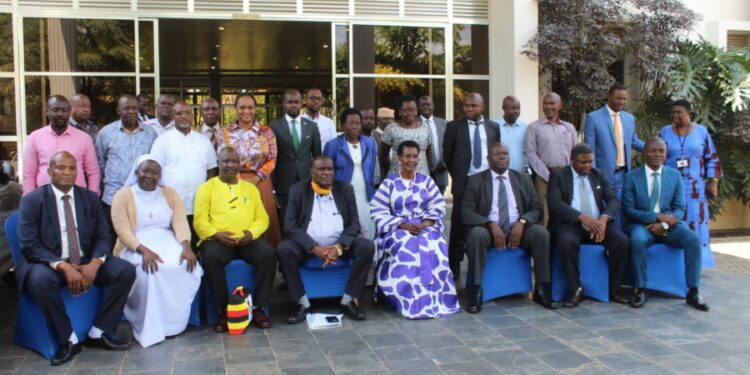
(542, 297)
(107, 342)
(618, 297)
(695, 299)
(574, 299)
(65, 353)
(639, 298)
(299, 316)
(352, 311)
(475, 301)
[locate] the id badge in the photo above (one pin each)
(683, 163)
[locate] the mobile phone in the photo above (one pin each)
(332, 319)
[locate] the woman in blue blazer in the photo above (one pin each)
(354, 160)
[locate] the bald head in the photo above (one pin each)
(473, 106)
(62, 171)
(183, 116)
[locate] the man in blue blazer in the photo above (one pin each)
(653, 202)
(65, 241)
(610, 132)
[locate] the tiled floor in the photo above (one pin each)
(510, 336)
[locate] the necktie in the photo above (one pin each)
(213, 137)
(655, 190)
(295, 135)
(618, 139)
(503, 218)
(585, 202)
(476, 151)
(74, 248)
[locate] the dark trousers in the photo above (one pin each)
(44, 283)
(291, 255)
(108, 214)
(568, 239)
(680, 237)
(258, 253)
(535, 240)
(617, 186)
(193, 236)
(457, 239)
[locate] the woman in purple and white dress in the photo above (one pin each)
(413, 272)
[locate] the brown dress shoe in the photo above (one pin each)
(260, 319)
(221, 324)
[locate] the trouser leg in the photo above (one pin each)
(457, 238)
(535, 240)
(215, 257)
(478, 242)
(619, 222)
(117, 276)
(640, 240)
(541, 187)
(568, 243)
(291, 256)
(362, 251)
(685, 238)
(262, 256)
(193, 235)
(617, 245)
(43, 284)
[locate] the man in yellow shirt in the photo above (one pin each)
(229, 219)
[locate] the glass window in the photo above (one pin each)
(399, 50)
(7, 107)
(463, 87)
(342, 49)
(471, 49)
(103, 92)
(146, 45)
(6, 42)
(342, 97)
(385, 92)
(70, 45)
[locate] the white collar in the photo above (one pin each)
(289, 118)
(59, 194)
(495, 175)
(650, 172)
(611, 112)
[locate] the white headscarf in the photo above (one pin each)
(133, 179)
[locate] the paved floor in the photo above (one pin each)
(511, 336)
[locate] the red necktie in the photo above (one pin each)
(74, 248)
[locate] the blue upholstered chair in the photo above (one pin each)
(325, 282)
(32, 329)
(594, 271)
(666, 270)
(506, 272)
(238, 272)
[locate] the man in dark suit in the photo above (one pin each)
(437, 127)
(321, 220)
(297, 144)
(68, 243)
(582, 206)
(465, 146)
(653, 202)
(502, 210)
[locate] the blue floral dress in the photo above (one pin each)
(703, 163)
(413, 272)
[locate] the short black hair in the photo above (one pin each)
(653, 139)
(143, 95)
(347, 112)
(244, 94)
(406, 98)
(617, 86)
(405, 144)
(684, 103)
(580, 149)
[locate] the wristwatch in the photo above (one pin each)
(339, 250)
(523, 221)
(665, 226)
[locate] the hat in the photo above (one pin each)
(385, 112)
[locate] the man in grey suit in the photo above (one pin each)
(437, 127)
(297, 144)
(501, 208)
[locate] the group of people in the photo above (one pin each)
(134, 205)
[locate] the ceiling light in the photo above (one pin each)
(215, 58)
(309, 58)
(218, 45)
(213, 67)
(221, 28)
(296, 67)
(244, 90)
(325, 46)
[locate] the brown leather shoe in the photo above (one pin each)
(260, 319)
(221, 324)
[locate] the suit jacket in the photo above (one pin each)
(337, 150)
(560, 196)
(39, 229)
(299, 212)
(293, 166)
(440, 172)
(599, 133)
(457, 150)
(477, 199)
(635, 196)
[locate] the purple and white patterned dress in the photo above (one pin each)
(413, 272)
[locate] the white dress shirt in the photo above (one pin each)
(326, 223)
(184, 161)
(483, 135)
(207, 131)
(64, 247)
(298, 126)
(435, 139)
(158, 128)
(513, 214)
(621, 145)
(326, 127)
(650, 184)
(575, 202)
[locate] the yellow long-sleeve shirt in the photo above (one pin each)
(220, 207)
